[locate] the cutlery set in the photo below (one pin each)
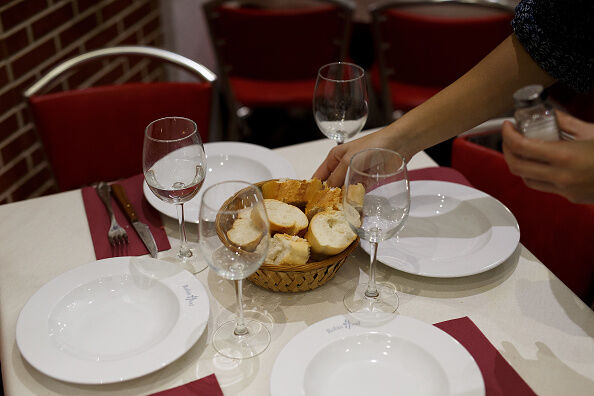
(116, 234)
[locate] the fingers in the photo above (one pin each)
(330, 163)
(336, 179)
(520, 146)
(524, 168)
(542, 186)
(574, 126)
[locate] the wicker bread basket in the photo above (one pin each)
(291, 278)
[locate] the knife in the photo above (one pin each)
(142, 229)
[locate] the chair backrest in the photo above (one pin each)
(552, 228)
(431, 43)
(97, 133)
(278, 43)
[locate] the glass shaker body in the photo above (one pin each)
(535, 118)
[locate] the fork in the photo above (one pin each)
(116, 234)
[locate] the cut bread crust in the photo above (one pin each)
(329, 233)
(285, 218)
(244, 233)
(287, 249)
(293, 192)
(322, 200)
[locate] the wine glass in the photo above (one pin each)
(340, 100)
(381, 176)
(234, 238)
(174, 166)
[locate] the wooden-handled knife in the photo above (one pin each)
(142, 229)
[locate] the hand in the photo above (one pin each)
(335, 166)
(561, 167)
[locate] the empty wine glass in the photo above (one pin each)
(381, 176)
(340, 100)
(234, 238)
(174, 168)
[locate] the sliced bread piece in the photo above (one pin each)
(327, 199)
(285, 218)
(355, 195)
(293, 192)
(287, 250)
(329, 233)
(244, 233)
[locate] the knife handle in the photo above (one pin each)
(124, 202)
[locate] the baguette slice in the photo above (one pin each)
(293, 192)
(244, 233)
(329, 233)
(287, 250)
(355, 195)
(285, 218)
(322, 200)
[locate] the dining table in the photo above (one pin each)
(539, 326)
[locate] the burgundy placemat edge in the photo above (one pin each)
(465, 331)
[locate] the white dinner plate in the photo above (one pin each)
(452, 230)
(340, 356)
(228, 161)
(112, 320)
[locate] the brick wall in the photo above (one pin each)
(35, 35)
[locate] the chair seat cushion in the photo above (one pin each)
(259, 93)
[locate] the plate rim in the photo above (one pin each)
(188, 328)
(503, 257)
(283, 167)
(328, 330)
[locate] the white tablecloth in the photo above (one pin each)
(541, 328)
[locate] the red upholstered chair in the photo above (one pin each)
(97, 133)
(424, 45)
(555, 230)
(269, 56)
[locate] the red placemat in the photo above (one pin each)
(440, 173)
(500, 378)
(206, 386)
(99, 221)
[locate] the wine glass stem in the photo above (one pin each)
(240, 327)
(184, 251)
(371, 291)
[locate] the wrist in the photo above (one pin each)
(401, 139)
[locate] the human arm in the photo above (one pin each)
(483, 92)
(560, 167)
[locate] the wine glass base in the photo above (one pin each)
(246, 346)
(194, 263)
(386, 302)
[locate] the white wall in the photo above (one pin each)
(185, 31)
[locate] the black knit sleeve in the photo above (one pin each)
(559, 36)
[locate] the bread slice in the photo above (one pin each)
(285, 218)
(293, 192)
(326, 199)
(329, 233)
(287, 250)
(355, 195)
(244, 232)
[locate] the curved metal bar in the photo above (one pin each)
(179, 60)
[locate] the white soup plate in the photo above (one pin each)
(112, 320)
(341, 356)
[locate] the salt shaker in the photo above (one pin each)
(535, 117)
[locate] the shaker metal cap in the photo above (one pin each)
(528, 95)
